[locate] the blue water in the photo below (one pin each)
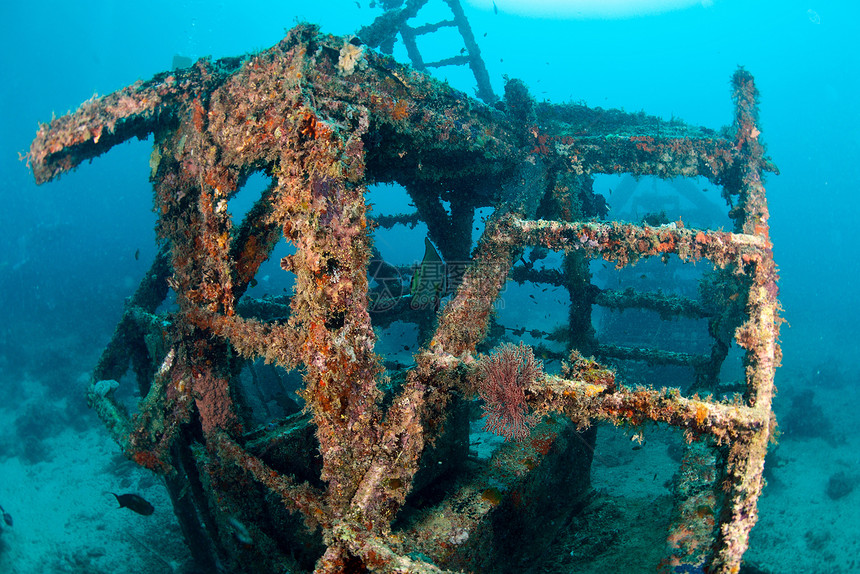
(68, 249)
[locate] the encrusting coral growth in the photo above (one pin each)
(323, 116)
(350, 57)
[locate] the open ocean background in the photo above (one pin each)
(67, 249)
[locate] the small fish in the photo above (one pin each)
(495, 8)
(7, 518)
(137, 255)
(134, 503)
(240, 532)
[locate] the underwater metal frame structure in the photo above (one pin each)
(324, 116)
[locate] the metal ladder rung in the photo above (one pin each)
(455, 61)
(430, 28)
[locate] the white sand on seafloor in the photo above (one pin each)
(65, 520)
(800, 528)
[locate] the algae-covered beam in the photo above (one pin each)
(103, 122)
(580, 120)
(651, 356)
(434, 125)
(465, 319)
(276, 343)
(664, 157)
(375, 551)
(583, 401)
(591, 393)
(587, 390)
(759, 336)
(298, 497)
(667, 306)
(626, 243)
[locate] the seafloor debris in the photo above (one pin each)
(374, 474)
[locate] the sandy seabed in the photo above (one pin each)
(66, 520)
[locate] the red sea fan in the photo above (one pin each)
(501, 381)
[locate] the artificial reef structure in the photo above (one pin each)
(373, 473)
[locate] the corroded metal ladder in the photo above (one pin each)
(383, 32)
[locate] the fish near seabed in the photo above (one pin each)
(7, 518)
(134, 503)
